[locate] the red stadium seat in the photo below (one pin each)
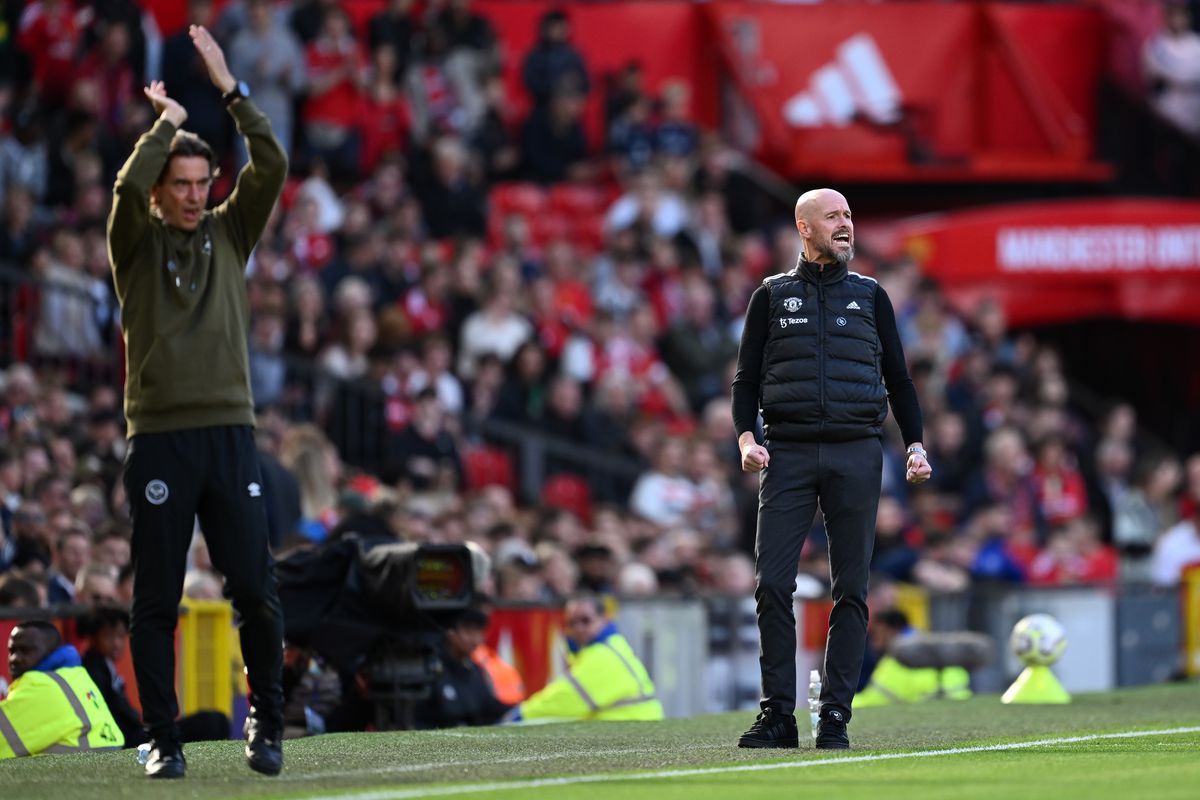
(569, 493)
(528, 199)
(489, 466)
(573, 199)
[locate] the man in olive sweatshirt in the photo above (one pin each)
(179, 270)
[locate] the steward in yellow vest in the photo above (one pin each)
(52, 706)
(603, 678)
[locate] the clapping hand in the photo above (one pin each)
(213, 57)
(156, 93)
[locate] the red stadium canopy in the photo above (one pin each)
(1066, 260)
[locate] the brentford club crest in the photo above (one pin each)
(792, 304)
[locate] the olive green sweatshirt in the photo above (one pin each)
(184, 311)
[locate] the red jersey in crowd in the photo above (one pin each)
(49, 34)
(340, 104)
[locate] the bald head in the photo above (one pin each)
(823, 220)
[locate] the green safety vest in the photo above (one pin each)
(604, 680)
(60, 711)
(892, 682)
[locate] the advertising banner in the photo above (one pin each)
(917, 91)
(1063, 260)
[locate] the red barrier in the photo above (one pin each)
(667, 39)
(529, 639)
(1065, 260)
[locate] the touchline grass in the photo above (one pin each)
(1053, 755)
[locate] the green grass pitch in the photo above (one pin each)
(695, 759)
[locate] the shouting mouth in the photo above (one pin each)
(843, 237)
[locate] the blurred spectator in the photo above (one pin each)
(17, 592)
(96, 584)
(24, 168)
(337, 76)
(631, 138)
(385, 123)
(71, 552)
(1171, 60)
(109, 72)
(269, 58)
(554, 147)
(659, 211)
(49, 33)
(467, 30)
(424, 455)
(347, 359)
(186, 79)
(1145, 511)
(554, 67)
(1060, 488)
(67, 320)
(394, 28)
(1074, 554)
(309, 16)
(697, 347)
(443, 90)
(1177, 548)
(453, 200)
(1005, 478)
(676, 134)
(496, 328)
(664, 495)
(311, 458)
(492, 138)
(268, 370)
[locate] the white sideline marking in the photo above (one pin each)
(538, 783)
(401, 768)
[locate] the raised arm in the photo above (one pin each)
(131, 193)
(261, 180)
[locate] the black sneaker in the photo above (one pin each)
(831, 731)
(771, 729)
(264, 742)
(166, 759)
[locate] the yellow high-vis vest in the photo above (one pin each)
(604, 680)
(59, 711)
(892, 682)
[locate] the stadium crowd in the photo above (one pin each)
(458, 266)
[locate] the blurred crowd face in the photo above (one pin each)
(583, 621)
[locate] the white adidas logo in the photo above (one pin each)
(853, 305)
(858, 81)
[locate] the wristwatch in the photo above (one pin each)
(920, 451)
(240, 91)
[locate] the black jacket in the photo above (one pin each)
(817, 349)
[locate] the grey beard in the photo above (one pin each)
(842, 257)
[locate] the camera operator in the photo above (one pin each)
(463, 693)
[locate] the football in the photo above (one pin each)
(1038, 640)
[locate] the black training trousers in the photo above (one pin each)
(171, 478)
(845, 478)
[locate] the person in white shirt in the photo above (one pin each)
(1176, 549)
(1171, 60)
